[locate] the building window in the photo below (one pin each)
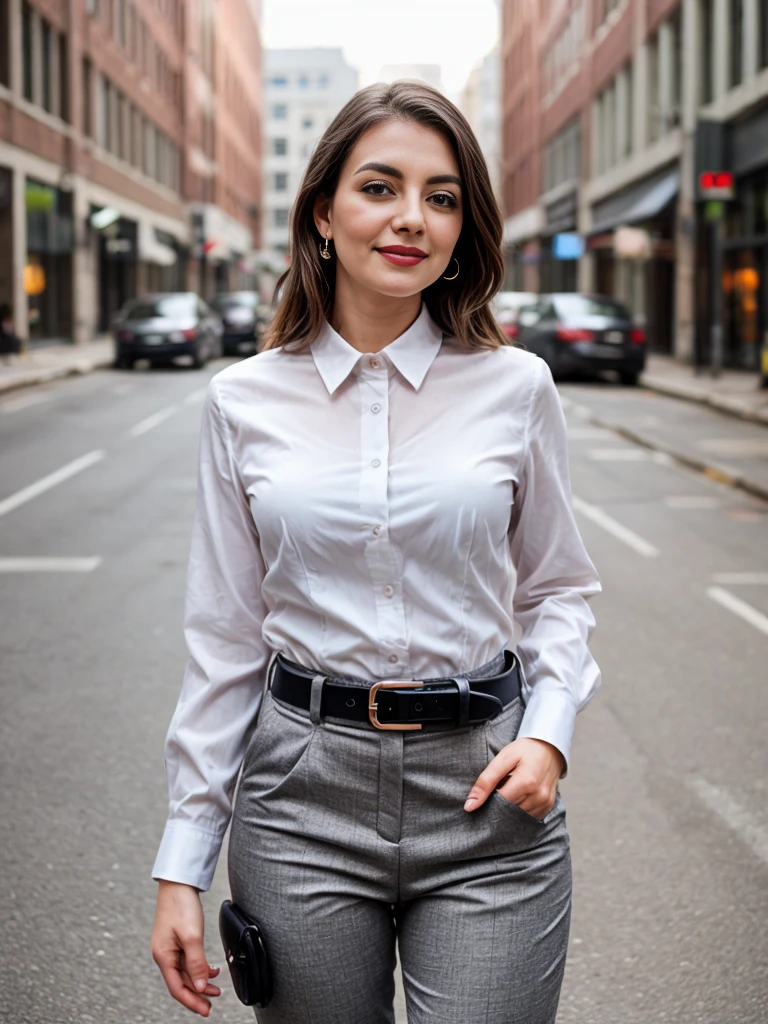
(87, 111)
(46, 45)
(762, 33)
(303, 82)
(278, 112)
(280, 147)
(282, 217)
(323, 81)
(278, 81)
(706, 17)
(736, 57)
(676, 26)
(307, 122)
(652, 90)
(281, 182)
(121, 24)
(26, 44)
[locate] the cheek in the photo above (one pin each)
(358, 223)
(444, 232)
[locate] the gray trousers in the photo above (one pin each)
(346, 839)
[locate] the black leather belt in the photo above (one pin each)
(400, 703)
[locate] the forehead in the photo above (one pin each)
(415, 150)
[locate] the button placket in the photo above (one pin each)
(374, 506)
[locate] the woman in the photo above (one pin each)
(379, 489)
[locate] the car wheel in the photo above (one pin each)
(629, 378)
(123, 363)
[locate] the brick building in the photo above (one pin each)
(609, 109)
(129, 154)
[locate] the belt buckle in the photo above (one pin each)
(373, 707)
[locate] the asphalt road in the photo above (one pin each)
(667, 793)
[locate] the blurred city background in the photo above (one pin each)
(150, 151)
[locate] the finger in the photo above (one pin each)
(210, 990)
(192, 1000)
(502, 765)
(193, 961)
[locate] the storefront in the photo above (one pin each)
(48, 267)
(559, 274)
(117, 242)
(647, 286)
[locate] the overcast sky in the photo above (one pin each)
(372, 33)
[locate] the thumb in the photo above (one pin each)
(196, 963)
(504, 763)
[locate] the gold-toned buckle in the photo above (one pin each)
(373, 707)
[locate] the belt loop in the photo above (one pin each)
(463, 687)
(316, 699)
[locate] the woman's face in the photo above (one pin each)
(397, 211)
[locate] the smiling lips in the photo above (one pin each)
(402, 255)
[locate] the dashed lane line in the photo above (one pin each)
(615, 528)
(25, 402)
(720, 801)
(152, 421)
(30, 565)
(196, 396)
(51, 480)
(735, 604)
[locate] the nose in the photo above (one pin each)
(409, 216)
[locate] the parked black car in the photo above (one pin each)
(244, 316)
(583, 334)
(164, 326)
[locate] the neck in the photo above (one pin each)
(370, 321)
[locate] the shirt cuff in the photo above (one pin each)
(551, 717)
(187, 854)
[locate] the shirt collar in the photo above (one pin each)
(412, 353)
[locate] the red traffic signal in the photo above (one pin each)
(716, 184)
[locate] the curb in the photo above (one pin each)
(731, 407)
(709, 469)
(44, 376)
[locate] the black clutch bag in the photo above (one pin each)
(246, 956)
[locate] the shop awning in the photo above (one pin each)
(636, 204)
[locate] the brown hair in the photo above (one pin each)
(459, 307)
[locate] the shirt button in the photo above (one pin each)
(375, 407)
(389, 590)
(376, 531)
(375, 364)
(393, 658)
(376, 463)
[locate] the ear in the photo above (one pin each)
(322, 215)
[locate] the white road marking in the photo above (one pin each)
(720, 801)
(196, 396)
(588, 434)
(49, 564)
(25, 401)
(755, 579)
(691, 501)
(152, 421)
(738, 607)
(735, 446)
(618, 454)
(615, 528)
(52, 480)
(662, 459)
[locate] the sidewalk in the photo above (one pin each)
(732, 392)
(44, 364)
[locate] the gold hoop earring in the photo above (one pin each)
(324, 250)
(457, 271)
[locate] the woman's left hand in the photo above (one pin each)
(531, 769)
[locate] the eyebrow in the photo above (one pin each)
(437, 179)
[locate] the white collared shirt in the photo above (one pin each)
(380, 516)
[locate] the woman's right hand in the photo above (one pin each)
(177, 947)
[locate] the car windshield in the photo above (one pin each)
(570, 306)
(164, 305)
(220, 302)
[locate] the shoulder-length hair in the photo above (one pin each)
(460, 307)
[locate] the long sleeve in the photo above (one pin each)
(554, 578)
(224, 678)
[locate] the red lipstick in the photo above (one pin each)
(402, 255)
